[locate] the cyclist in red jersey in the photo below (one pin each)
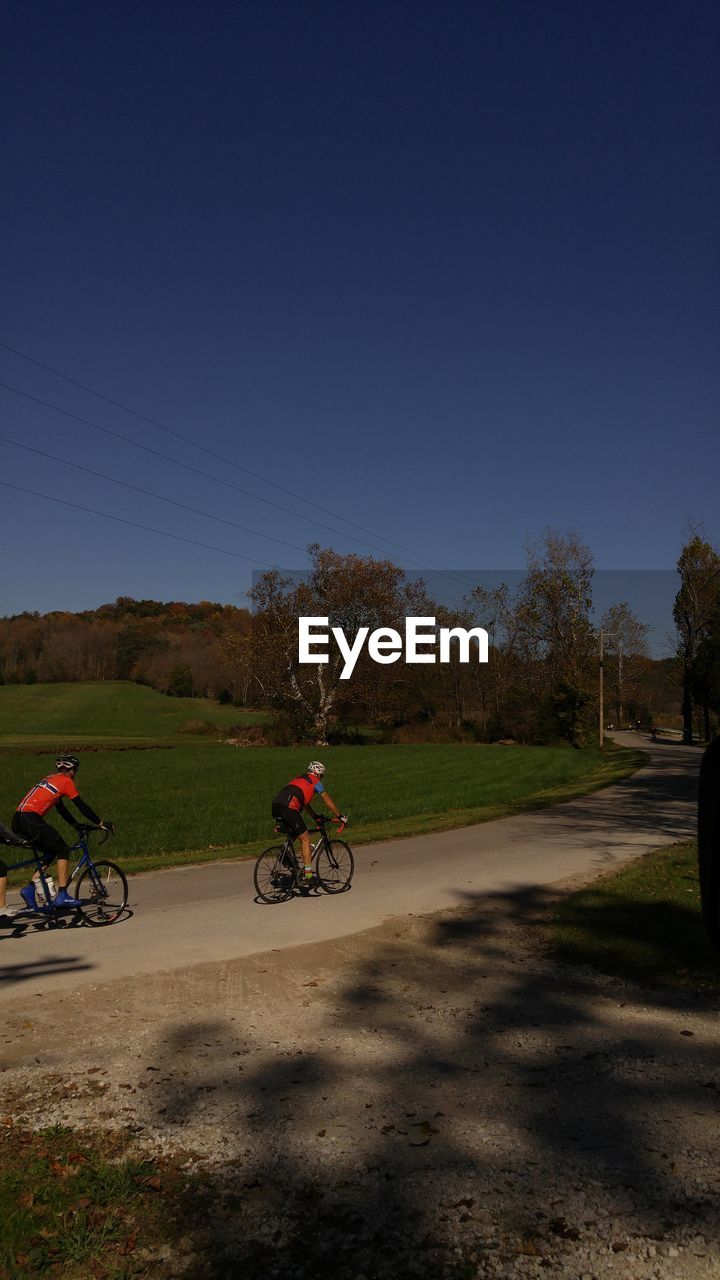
(297, 795)
(29, 823)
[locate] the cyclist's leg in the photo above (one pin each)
(47, 840)
(306, 849)
(302, 835)
(294, 823)
(3, 885)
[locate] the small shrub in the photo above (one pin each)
(198, 727)
(339, 737)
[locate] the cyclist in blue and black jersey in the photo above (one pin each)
(296, 796)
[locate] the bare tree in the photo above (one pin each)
(625, 642)
(352, 592)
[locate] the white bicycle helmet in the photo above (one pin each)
(316, 767)
(71, 764)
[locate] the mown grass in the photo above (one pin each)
(105, 713)
(78, 1205)
(189, 804)
(642, 922)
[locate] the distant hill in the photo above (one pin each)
(175, 647)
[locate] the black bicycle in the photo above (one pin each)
(99, 885)
(279, 873)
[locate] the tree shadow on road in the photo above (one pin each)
(457, 1100)
(641, 805)
(657, 941)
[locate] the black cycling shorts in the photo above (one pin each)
(292, 819)
(49, 841)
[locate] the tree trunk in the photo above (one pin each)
(687, 708)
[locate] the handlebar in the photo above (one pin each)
(106, 829)
(323, 821)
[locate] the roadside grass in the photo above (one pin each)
(643, 923)
(76, 1205)
(107, 713)
(173, 807)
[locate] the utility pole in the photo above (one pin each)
(601, 680)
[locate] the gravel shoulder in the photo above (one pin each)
(433, 1097)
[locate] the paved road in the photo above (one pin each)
(185, 917)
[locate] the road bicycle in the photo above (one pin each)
(279, 873)
(100, 886)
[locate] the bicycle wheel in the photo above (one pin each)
(103, 892)
(274, 875)
(334, 866)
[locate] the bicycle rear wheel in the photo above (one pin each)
(334, 867)
(274, 875)
(102, 889)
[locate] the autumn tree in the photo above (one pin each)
(351, 591)
(554, 606)
(502, 688)
(626, 650)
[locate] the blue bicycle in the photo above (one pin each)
(99, 885)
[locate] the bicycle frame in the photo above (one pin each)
(289, 853)
(85, 860)
(40, 866)
(289, 845)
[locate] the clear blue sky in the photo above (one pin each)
(450, 270)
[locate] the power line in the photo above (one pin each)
(118, 404)
(133, 524)
(99, 475)
(177, 537)
(166, 457)
(96, 426)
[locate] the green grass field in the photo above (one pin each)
(171, 803)
(643, 922)
(61, 717)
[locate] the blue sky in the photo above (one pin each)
(449, 271)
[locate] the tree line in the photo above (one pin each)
(540, 683)
(174, 647)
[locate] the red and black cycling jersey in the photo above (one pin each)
(47, 792)
(299, 791)
(51, 791)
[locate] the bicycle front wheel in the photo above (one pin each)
(102, 889)
(335, 866)
(274, 875)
